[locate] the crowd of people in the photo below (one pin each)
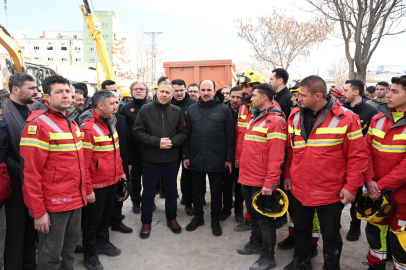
(68, 161)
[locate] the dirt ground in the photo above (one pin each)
(201, 250)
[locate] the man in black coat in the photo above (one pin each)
(208, 149)
(183, 101)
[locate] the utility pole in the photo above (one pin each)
(153, 35)
(5, 11)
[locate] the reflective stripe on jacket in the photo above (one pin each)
(52, 162)
(263, 149)
(333, 157)
(244, 116)
(101, 150)
(386, 143)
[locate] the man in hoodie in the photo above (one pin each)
(208, 150)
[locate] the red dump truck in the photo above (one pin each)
(222, 72)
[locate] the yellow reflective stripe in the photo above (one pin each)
(331, 130)
(65, 147)
(324, 142)
(399, 137)
(298, 132)
(78, 133)
(87, 145)
(241, 124)
(370, 131)
(254, 138)
(290, 129)
(60, 136)
(299, 144)
(354, 135)
(105, 147)
(105, 138)
(277, 135)
(260, 129)
(389, 148)
(34, 143)
(378, 133)
(242, 116)
(115, 135)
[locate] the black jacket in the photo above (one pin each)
(5, 139)
(184, 104)
(234, 114)
(130, 112)
(124, 141)
(283, 98)
(211, 136)
(154, 122)
(365, 113)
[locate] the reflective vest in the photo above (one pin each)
(333, 157)
(52, 162)
(244, 116)
(101, 150)
(386, 143)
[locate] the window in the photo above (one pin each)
(105, 24)
(50, 59)
(23, 47)
(75, 37)
(91, 49)
(64, 59)
(62, 44)
(91, 60)
(64, 48)
(123, 39)
(49, 43)
(77, 48)
(77, 59)
(36, 47)
(105, 36)
(49, 48)
(36, 58)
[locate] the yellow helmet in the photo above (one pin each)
(294, 86)
(249, 76)
(374, 211)
(402, 237)
(274, 205)
(125, 93)
(155, 87)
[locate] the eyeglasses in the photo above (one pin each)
(138, 89)
(114, 90)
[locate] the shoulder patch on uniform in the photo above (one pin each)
(32, 130)
(83, 135)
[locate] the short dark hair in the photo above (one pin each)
(235, 88)
(1, 102)
(80, 92)
(356, 85)
(163, 78)
(385, 84)
(4, 93)
(193, 84)
(214, 84)
(315, 84)
(371, 89)
(265, 89)
(18, 79)
(281, 73)
(333, 86)
(51, 80)
(178, 82)
(400, 80)
(101, 96)
(83, 87)
(107, 82)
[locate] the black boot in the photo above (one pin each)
(265, 261)
(239, 216)
(287, 243)
(79, 249)
(377, 267)
(216, 228)
(295, 264)
(189, 209)
(250, 248)
(104, 246)
(136, 207)
(92, 263)
(225, 213)
(196, 222)
(313, 251)
(280, 221)
(353, 234)
(242, 227)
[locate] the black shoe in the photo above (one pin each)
(280, 221)
(153, 207)
(196, 222)
(216, 229)
(182, 201)
(296, 265)
(145, 231)
(239, 217)
(122, 228)
(250, 248)
(93, 263)
(313, 251)
(108, 248)
(353, 234)
(265, 261)
(376, 266)
(225, 213)
(162, 194)
(175, 227)
(287, 243)
(242, 227)
(33, 267)
(204, 202)
(136, 208)
(79, 249)
(189, 209)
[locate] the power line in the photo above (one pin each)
(153, 35)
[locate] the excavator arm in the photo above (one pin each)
(11, 45)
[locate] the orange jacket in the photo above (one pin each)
(334, 156)
(386, 143)
(52, 162)
(244, 116)
(263, 149)
(101, 149)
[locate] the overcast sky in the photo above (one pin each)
(193, 30)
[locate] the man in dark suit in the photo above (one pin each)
(20, 234)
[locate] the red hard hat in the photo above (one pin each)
(337, 91)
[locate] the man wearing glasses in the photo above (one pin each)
(193, 91)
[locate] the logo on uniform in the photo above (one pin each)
(132, 110)
(32, 130)
(358, 122)
(83, 135)
(283, 127)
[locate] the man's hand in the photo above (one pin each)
(130, 167)
(346, 196)
(373, 190)
(186, 163)
(266, 191)
(287, 184)
(42, 223)
(166, 143)
(91, 198)
(237, 163)
(123, 177)
(230, 166)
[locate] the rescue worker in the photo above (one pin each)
(322, 134)
(103, 168)
(261, 159)
(353, 92)
(125, 97)
(337, 93)
(247, 81)
(387, 164)
(380, 95)
(54, 184)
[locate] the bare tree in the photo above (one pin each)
(339, 71)
(124, 65)
(362, 23)
(279, 39)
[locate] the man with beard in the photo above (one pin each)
(20, 235)
(79, 100)
(380, 99)
(86, 100)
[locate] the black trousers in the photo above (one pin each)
(19, 250)
(169, 172)
(329, 217)
(97, 219)
(263, 227)
(355, 222)
(117, 217)
(136, 173)
(230, 181)
(199, 191)
(186, 185)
